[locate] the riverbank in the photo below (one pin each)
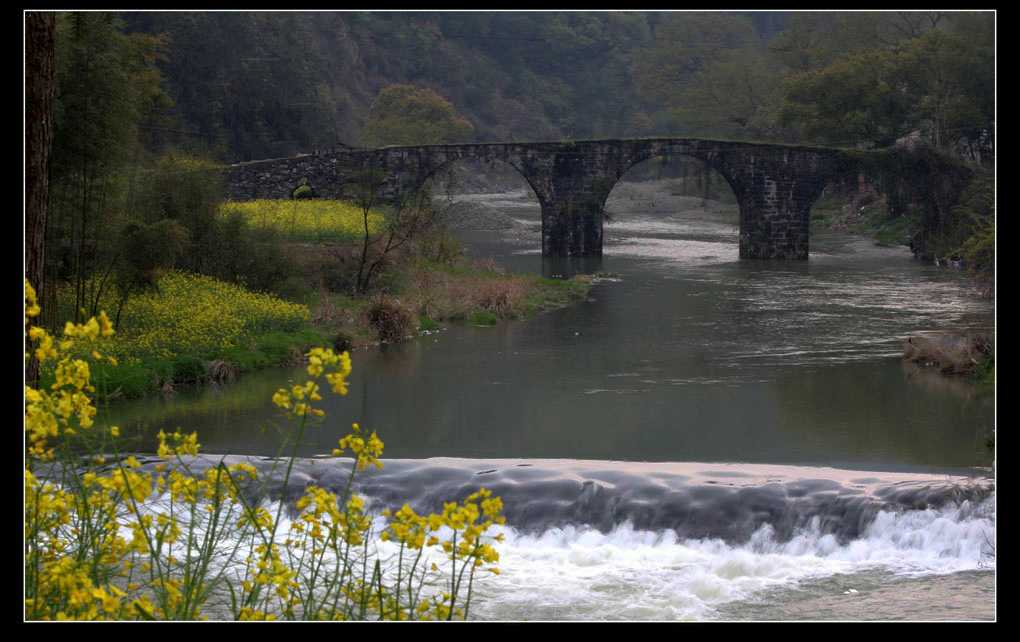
(954, 354)
(195, 330)
(866, 214)
(429, 294)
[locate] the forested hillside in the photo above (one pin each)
(256, 85)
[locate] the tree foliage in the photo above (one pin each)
(939, 83)
(108, 87)
(859, 99)
(412, 115)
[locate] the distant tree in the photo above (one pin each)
(683, 44)
(952, 83)
(108, 86)
(187, 190)
(690, 59)
(813, 40)
(736, 94)
(143, 251)
(939, 83)
(412, 115)
(409, 214)
(858, 100)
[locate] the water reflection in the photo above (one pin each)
(565, 267)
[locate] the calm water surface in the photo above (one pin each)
(685, 354)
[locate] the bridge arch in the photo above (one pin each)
(681, 152)
(683, 167)
(460, 162)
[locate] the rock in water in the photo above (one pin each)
(952, 352)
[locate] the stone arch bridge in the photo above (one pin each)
(775, 185)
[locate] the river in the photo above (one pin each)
(682, 353)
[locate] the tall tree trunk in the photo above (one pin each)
(40, 92)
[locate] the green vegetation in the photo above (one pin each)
(595, 75)
(194, 328)
(426, 324)
(434, 293)
(483, 318)
(984, 373)
(411, 115)
(847, 79)
(973, 238)
(149, 104)
(867, 217)
(938, 83)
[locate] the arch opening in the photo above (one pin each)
(489, 207)
(673, 206)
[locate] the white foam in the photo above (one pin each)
(576, 573)
(579, 573)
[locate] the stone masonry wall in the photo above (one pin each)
(775, 185)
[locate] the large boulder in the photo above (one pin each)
(951, 352)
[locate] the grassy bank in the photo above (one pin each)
(426, 295)
(194, 328)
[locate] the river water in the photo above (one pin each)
(682, 353)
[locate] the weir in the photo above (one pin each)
(694, 500)
(775, 185)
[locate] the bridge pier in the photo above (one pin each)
(775, 192)
(572, 186)
(572, 227)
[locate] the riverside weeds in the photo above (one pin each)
(105, 539)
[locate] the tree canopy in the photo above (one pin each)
(413, 115)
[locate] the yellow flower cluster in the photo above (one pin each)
(414, 530)
(182, 445)
(322, 520)
(322, 362)
(65, 566)
(307, 219)
(98, 544)
(366, 451)
(196, 314)
(66, 407)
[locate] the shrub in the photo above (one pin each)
(391, 322)
(188, 368)
(303, 191)
(441, 246)
(343, 342)
(499, 297)
(484, 318)
(426, 324)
